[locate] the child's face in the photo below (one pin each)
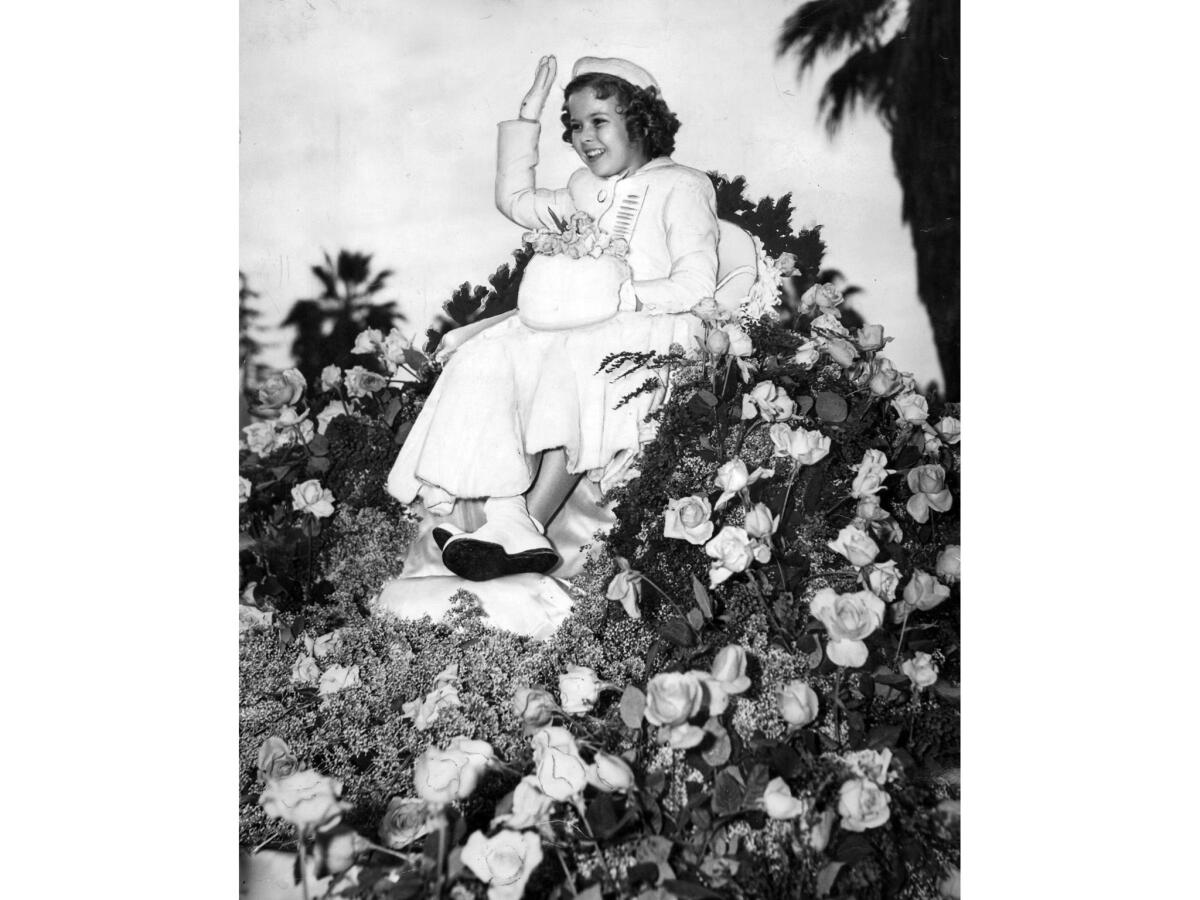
(599, 137)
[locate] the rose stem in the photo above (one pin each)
(443, 824)
(837, 703)
(670, 599)
(303, 862)
(900, 643)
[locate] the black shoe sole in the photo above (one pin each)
(441, 535)
(483, 560)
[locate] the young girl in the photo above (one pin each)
(520, 413)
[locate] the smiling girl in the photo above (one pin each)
(520, 413)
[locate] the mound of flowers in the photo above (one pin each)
(756, 696)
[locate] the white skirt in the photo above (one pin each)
(511, 392)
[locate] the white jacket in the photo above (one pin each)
(666, 211)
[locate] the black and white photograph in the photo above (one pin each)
(599, 450)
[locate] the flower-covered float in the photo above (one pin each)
(756, 693)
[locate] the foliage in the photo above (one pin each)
(902, 60)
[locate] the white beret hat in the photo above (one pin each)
(622, 68)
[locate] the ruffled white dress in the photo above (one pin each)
(513, 391)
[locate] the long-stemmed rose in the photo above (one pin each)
(848, 618)
(856, 545)
(929, 491)
(504, 861)
(441, 776)
(688, 519)
(672, 698)
(305, 799)
(733, 478)
(626, 588)
(560, 770)
(727, 677)
(579, 688)
(769, 401)
(805, 447)
(313, 499)
(733, 552)
(862, 804)
(282, 389)
(872, 472)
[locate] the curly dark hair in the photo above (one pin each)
(648, 119)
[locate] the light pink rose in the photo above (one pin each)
(872, 472)
(759, 521)
(672, 698)
(610, 773)
(950, 429)
(276, 759)
(807, 354)
(560, 770)
(798, 704)
(707, 310)
(920, 670)
(841, 352)
(881, 579)
(732, 551)
(912, 407)
(580, 689)
(535, 706)
(804, 446)
(768, 400)
(260, 437)
(727, 677)
(530, 807)
(870, 338)
(828, 322)
(924, 592)
(884, 380)
(305, 670)
(405, 822)
(368, 341)
(778, 803)
(331, 377)
(688, 519)
(732, 478)
(328, 414)
(361, 383)
(305, 799)
(871, 764)
(949, 564)
(425, 712)
(504, 861)
(244, 489)
(929, 491)
(717, 342)
(282, 389)
(870, 510)
(862, 804)
(848, 618)
(856, 545)
(337, 678)
(441, 776)
(311, 498)
(739, 341)
(626, 588)
(820, 296)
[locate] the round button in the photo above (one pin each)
(602, 196)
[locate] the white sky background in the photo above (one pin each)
(370, 125)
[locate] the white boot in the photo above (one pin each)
(510, 542)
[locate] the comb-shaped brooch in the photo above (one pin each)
(625, 215)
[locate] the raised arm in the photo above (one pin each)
(517, 194)
(690, 221)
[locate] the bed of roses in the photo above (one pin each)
(758, 692)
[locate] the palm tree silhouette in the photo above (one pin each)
(326, 326)
(902, 60)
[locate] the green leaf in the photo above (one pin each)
(831, 407)
(678, 632)
(602, 816)
(702, 598)
(827, 876)
(319, 445)
(803, 405)
(393, 410)
(709, 398)
(695, 618)
(319, 465)
(718, 754)
(728, 792)
(852, 848)
(633, 707)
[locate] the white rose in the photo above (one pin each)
(949, 563)
(688, 519)
(870, 337)
(803, 446)
(626, 588)
(561, 772)
(368, 341)
(672, 698)
(331, 377)
(841, 352)
(579, 689)
(244, 489)
(798, 704)
(610, 773)
(778, 802)
(869, 509)
(324, 644)
(530, 807)
(929, 491)
(872, 764)
(872, 472)
(732, 551)
(884, 380)
(807, 354)
(305, 670)
(282, 389)
(425, 713)
(828, 322)
(728, 676)
(950, 429)
(310, 497)
(920, 670)
(732, 478)
(361, 382)
(820, 296)
(337, 678)
(305, 799)
(924, 592)
(394, 347)
(535, 706)
(441, 776)
(881, 579)
(759, 521)
(856, 545)
(848, 618)
(504, 862)
(717, 342)
(862, 804)
(405, 821)
(912, 407)
(769, 400)
(739, 341)
(260, 437)
(328, 414)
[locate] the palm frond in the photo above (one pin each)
(864, 78)
(829, 26)
(327, 279)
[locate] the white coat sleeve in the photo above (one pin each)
(690, 223)
(517, 195)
